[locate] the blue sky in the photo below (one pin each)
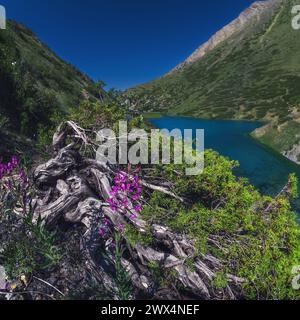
(124, 42)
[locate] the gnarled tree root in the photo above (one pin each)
(75, 188)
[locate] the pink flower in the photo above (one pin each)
(121, 227)
(136, 197)
(138, 208)
(127, 190)
(106, 221)
(102, 232)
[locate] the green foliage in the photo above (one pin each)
(258, 236)
(45, 240)
(134, 237)
(156, 270)
(164, 207)
(220, 281)
(35, 84)
(96, 115)
(162, 277)
(19, 259)
(293, 180)
(27, 246)
(281, 138)
(32, 248)
(152, 115)
(122, 279)
(92, 116)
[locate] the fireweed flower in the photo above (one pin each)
(14, 185)
(23, 176)
(121, 227)
(126, 191)
(102, 232)
(8, 168)
(125, 196)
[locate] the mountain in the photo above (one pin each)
(259, 12)
(248, 70)
(35, 84)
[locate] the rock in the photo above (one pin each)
(294, 153)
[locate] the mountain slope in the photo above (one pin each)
(258, 13)
(251, 73)
(35, 84)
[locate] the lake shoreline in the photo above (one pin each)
(251, 134)
(263, 166)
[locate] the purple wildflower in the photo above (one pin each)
(102, 232)
(126, 193)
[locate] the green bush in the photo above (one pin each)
(258, 236)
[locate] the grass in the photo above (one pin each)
(123, 281)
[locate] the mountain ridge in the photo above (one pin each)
(255, 11)
(253, 75)
(36, 84)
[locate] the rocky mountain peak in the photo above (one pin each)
(252, 14)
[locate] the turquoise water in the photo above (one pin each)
(266, 170)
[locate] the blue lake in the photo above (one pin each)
(265, 169)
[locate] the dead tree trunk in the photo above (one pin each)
(75, 188)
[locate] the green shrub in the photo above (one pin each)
(259, 238)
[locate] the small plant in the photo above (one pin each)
(19, 258)
(134, 237)
(122, 278)
(126, 193)
(14, 186)
(30, 247)
(45, 246)
(3, 122)
(125, 197)
(220, 281)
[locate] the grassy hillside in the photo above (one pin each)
(253, 75)
(35, 84)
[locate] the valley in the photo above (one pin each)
(266, 170)
(73, 227)
(247, 71)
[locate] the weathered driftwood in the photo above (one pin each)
(76, 188)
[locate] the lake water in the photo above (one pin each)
(266, 170)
